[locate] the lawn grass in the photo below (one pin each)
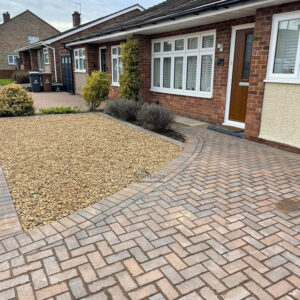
(56, 165)
(6, 81)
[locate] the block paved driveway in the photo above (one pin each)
(207, 226)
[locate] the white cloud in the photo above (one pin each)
(59, 12)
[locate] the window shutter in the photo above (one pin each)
(167, 72)
(208, 41)
(287, 46)
(178, 72)
(206, 73)
(115, 70)
(191, 75)
(156, 72)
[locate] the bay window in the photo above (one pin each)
(284, 57)
(184, 65)
(79, 57)
(116, 62)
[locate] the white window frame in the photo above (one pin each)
(183, 53)
(46, 56)
(39, 55)
(15, 57)
(276, 77)
(33, 39)
(115, 56)
(77, 57)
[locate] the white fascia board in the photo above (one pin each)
(256, 4)
(28, 47)
(120, 13)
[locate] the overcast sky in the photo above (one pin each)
(59, 12)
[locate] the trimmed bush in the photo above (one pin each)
(122, 108)
(59, 110)
(130, 81)
(20, 76)
(96, 89)
(155, 117)
(15, 101)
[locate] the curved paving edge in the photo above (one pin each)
(9, 221)
(11, 228)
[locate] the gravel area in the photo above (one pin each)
(56, 165)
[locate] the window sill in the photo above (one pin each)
(282, 81)
(115, 84)
(78, 71)
(181, 93)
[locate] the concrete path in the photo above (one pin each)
(54, 99)
(221, 221)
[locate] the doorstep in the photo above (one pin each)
(230, 130)
(188, 121)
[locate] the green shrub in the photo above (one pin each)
(122, 108)
(96, 89)
(20, 76)
(15, 101)
(130, 81)
(155, 117)
(59, 110)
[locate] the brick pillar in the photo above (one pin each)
(92, 58)
(145, 66)
(33, 60)
(259, 63)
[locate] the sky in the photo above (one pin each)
(59, 12)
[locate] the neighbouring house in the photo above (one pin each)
(51, 56)
(232, 62)
(23, 29)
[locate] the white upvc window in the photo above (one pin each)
(284, 56)
(46, 56)
(33, 39)
(40, 59)
(12, 59)
(116, 63)
(184, 65)
(79, 57)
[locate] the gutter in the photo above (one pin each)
(54, 58)
(135, 28)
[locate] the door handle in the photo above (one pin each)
(244, 83)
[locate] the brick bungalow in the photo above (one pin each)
(22, 29)
(50, 55)
(231, 62)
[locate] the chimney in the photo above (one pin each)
(76, 19)
(6, 17)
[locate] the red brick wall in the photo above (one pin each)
(211, 110)
(259, 63)
(92, 58)
(145, 65)
(61, 51)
